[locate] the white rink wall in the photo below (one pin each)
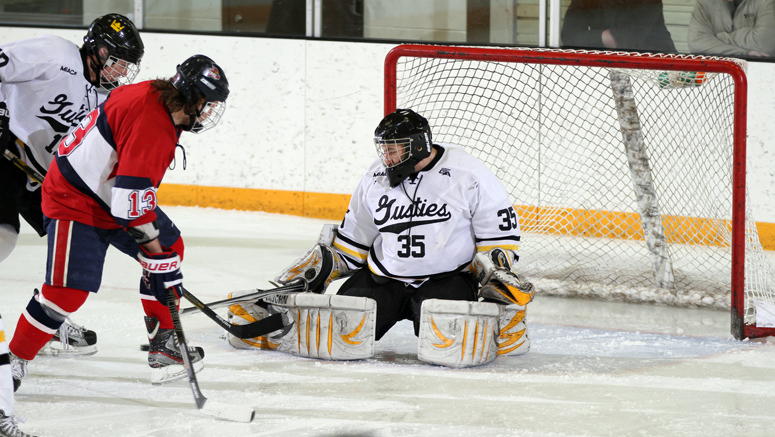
(301, 113)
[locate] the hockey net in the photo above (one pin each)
(627, 169)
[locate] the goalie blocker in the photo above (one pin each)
(318, 266)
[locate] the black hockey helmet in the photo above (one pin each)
(119, 36)
(402, 138)
(199, 78)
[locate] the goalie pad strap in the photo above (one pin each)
(457, 333)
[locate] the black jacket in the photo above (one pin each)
(635, 24)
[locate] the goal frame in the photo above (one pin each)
(626, 60)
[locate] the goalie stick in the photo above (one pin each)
(255, 329)
(237, 413)
(252, 295)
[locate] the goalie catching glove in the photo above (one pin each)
(319, 266)
(499, 283)
(160, 272)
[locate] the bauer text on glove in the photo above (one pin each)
(160, 272)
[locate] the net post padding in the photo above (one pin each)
(733, 298)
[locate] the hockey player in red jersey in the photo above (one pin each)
(429, 232)
(47, 86)
(102, 186)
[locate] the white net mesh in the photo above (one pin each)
(585, 163)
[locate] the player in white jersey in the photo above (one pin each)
(47, 86)
(427, 222)
(8, 425)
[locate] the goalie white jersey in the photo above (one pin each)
(430, 224)
(43, 85)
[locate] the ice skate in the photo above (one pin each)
(164, 354)
(8, 427)
(18, 370)
(71, 340)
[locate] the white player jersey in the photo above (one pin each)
(43, 85)
(430, 224)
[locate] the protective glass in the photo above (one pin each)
(393, 152)
(117, 72)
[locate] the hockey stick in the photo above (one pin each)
(253, 295)
(31, 172)
(255, 329)
(237, 413)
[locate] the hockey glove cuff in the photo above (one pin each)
(160, 272)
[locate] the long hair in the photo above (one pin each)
(172, 98)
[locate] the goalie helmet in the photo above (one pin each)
(402, 139)
(119, 62)
(199, 79)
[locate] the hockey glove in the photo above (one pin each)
(5, 131)
(160, 272)
(499, 283)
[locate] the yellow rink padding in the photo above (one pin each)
(305, 204)
(563, 221)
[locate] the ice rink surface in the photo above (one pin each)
(594, 369)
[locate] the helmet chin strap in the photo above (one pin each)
(89, 63)
(192, 116)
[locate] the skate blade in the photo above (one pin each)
(172, 372)
(57, 349)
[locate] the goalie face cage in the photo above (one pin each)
(627, 169)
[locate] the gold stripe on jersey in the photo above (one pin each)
(351, 250)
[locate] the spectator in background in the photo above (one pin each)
(733, 28)
(616, 24)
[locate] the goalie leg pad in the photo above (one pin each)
(328, 327)
(244, 314)
(457, 333)
(513, 336)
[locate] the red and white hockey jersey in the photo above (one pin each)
(43, 85)
(107, 170)
(430, 224)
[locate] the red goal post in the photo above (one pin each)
(437, 80)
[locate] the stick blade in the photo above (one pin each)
(234, 413)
